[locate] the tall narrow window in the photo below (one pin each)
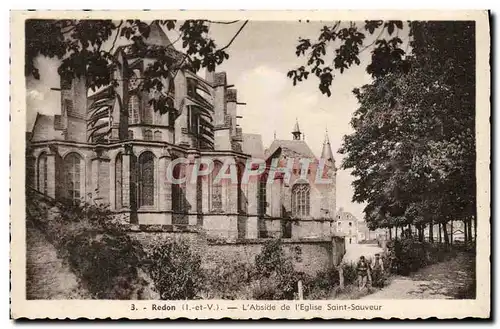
(148, 135)
(158, 136)
(72, 166)
(147, 114)
(179, 202)
(300, 200)
(119, 181)
(157, 116)
(146, 179)
(130, 134)
(216, 197)
(262, 196)
(42, 173)
(133, 109)
(242, 200)
(171, 112)
(193, 120)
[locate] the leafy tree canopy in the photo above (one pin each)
(86, 47)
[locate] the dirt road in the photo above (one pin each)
(452, 279)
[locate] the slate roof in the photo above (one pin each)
(43, 129)
(296, 146)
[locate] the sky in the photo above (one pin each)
(260, 58)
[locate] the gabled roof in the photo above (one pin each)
(43, 129)
(252, 144)
(299, 147)
(157, 36)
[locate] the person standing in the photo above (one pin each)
(363, 272)
(378, 272)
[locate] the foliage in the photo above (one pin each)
(107, 263)
(86, 47)
(95, 246)
(350, 273)
(228, 280)
(349, 41)
(413, 149)
(409, 255)
(322, 285)
(175, 270)
(276, 273)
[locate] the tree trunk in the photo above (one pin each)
(445, 234)
(451, 232)
(475, 229)
(390, 233)
(469, 225)
(440, 235)
(466, 233)
(431, 231)
(409, 231)
(396, 234)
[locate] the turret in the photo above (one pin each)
(327, 153)
(296, 131)
(330, 194)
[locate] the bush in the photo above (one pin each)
(95, 245)
(278, 279)
(322, 285)
(107, 263)
(350, 273)
(175, 270)
(325, 280)
(228, 280)
(408, 255)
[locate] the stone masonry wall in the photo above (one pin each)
(308, 256)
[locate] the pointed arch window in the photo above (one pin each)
(148, 135)
(262, 195)
(133, 109)
(216, 195)
(158, 135)
(301, 200)
(171, 112)
(119, 181)
(130, 134)
(242, 200)
(157, 116)
(179, 202)
(146, 179)
(42, 173)
(72, 170)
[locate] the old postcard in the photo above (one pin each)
(246, 165)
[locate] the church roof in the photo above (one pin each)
(327, 153)
(157, 36)
(299, 147)
(43, 129)
(252, 144)
(157, 39)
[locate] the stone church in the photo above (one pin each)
(111, 146)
